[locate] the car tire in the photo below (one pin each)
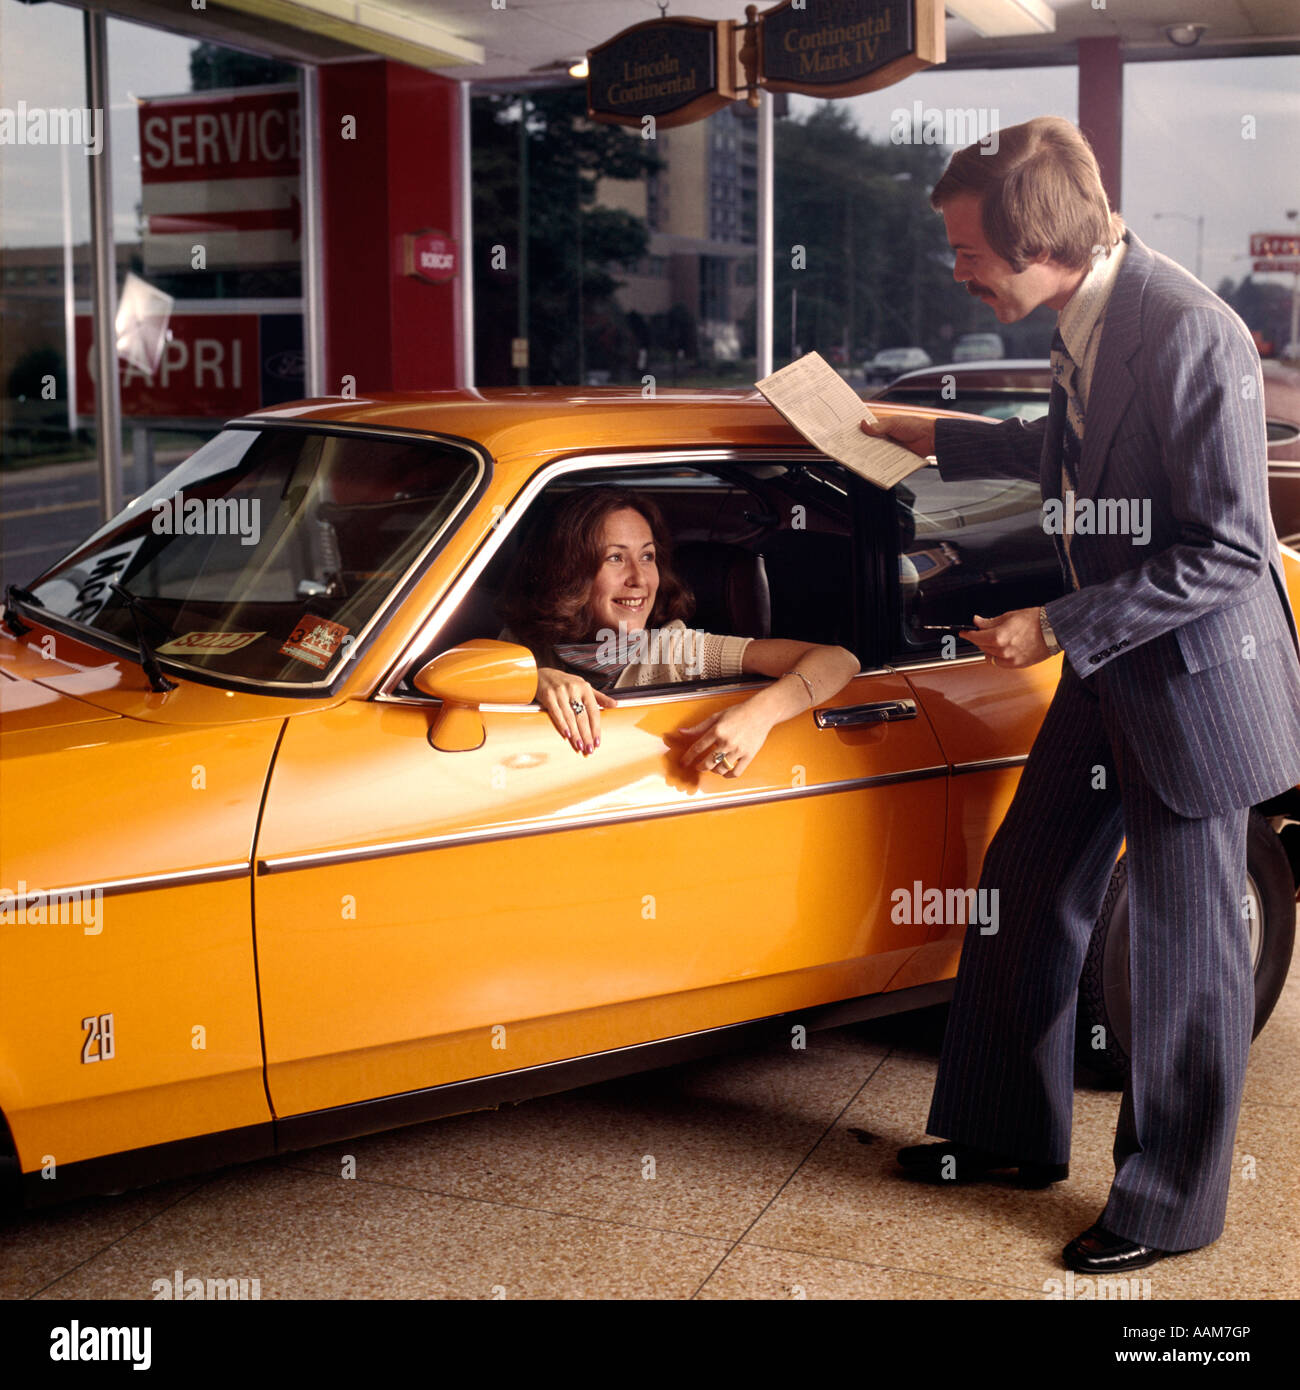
(1105, 1005)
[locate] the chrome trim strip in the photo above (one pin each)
(663, 695)
(904, 667)
(519, 831)
(523, 499)
(148, 881)
(990, 764)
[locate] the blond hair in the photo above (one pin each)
(1040, 192)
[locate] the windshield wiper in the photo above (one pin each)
(157, 681)
(10, 616)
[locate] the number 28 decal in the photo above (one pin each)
(98, 1030)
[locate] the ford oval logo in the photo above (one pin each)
(287, 366)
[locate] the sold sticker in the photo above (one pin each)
(208, 643)
(314, 640)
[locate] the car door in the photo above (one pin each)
(424, 917)
(976, 546)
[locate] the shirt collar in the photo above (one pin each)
(1087, 305)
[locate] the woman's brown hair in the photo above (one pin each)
(545, 595)
(1040, 192)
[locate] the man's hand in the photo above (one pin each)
(1014, 639)
(913, 432)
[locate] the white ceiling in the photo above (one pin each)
(533, 41)
(530, 34)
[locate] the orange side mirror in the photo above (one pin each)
(481, 672)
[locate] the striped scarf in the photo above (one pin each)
(585, 657)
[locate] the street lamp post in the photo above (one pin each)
(1199, 219)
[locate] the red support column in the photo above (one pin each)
(398, 173)
(1101, 107)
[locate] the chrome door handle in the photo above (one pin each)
(883, 712)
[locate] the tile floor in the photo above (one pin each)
(767, 1175)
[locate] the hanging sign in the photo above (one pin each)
(843, 48)
(684, 69)
(676, 70)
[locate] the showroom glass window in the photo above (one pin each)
(48, 489)
(205, 146)
(639, 257)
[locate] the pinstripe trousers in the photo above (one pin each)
(1006, 1070)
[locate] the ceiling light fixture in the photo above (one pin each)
(1184, 35)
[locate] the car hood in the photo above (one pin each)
(26, 705)
(95, 684)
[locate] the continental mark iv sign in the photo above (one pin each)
(842, 48)
(683, 69)
(676, 70)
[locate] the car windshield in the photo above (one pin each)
(269, 553)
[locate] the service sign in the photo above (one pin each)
(221, 170)
(842, 48)
(676, 70)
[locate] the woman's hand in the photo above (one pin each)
(815, 672)
(737, 733)
(558, 692)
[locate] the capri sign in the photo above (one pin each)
(679, 70)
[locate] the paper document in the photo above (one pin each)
(827, 411)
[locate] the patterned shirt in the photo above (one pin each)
(1078, 330)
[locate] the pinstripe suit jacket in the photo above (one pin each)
(1191, 635)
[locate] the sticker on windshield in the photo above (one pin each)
(207, 643)
(314, 640)
(91, 579)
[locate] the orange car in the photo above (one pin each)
(319, 866)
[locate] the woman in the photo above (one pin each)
(595, 599)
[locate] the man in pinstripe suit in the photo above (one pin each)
(1178, 706)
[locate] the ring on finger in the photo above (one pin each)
(577, 707)
(720, 760)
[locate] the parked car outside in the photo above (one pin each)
(1021, 387)
(974, 347)
(290, 853)
(890, 362)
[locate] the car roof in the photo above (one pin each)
(554, 420)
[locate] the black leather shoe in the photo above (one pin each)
(954, 1163)
(1097, 1251)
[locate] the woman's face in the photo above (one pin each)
(627, 579)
